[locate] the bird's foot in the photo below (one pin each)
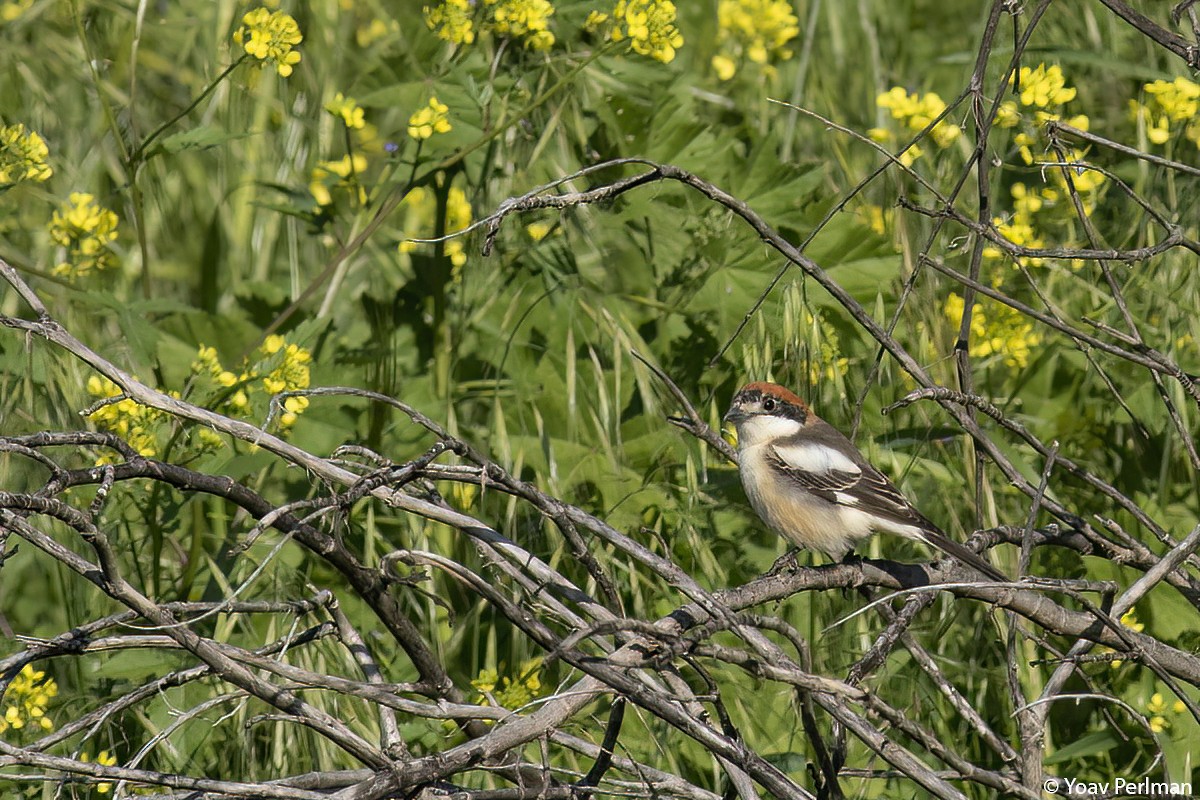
(852, 558)
(785, 563)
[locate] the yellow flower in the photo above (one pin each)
(12, 10)
(1021, 233)
(1129, 620)
(524, 19)
(104, 758)
(1178, 99)
(649, 25)
(1170, 101)
(138, 425)
(345, 107)
(27, 699)
(875, 218)
(915, 113)
(451, 21)
(376, 29)
(270, 36)
(1024, 143)
(22, 155)
(1079, 121)
(342, 176)
(537, 230)
(1088, 182)
(1004, 332)
(289, 371)
(1007, 115)
(724, 66)
(84, 229)
(510, 693)
(1044, 86)
(1025, 203)
(1157, 708)
(421, 205)
(594, 20)
(432, 119)
(758, 30)
(272, 344)
(910, 155)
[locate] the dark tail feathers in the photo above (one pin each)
(947, 545)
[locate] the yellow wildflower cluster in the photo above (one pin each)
(27, 699)
(1158, 708)
(137, 424)
(22, 156)
(434, 118)
(332, 180)
(1088, 182)
(104, 759)
(509, 693)
(1019, 227)
(452, 21)
(421, 206)
(85, 230)
(1129, 620)
(526, 20)
(1043, 90)
(1170, 101)
(270, 36)
(279, 367)
(649, 25)
(1003, 332)
(350, 112)
(1044, 87)
(523, 19)
(914, 113)
(757, 30)
(290, 365)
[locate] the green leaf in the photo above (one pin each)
(1090, 745)
(201, 138)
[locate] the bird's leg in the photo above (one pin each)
(853, 559)
(785, 563)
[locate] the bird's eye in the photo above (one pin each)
(769, 405)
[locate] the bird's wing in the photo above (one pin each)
(839, 478)
(836, 473)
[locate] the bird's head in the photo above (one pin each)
(765, 412)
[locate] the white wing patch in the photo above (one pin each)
(845, 499)
(817, 459)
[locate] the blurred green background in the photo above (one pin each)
(261, 209)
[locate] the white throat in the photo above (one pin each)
(761, 429)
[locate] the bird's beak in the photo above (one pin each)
(734, 415)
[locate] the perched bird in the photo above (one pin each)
(811, 485)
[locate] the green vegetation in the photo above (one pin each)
(237, 205)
